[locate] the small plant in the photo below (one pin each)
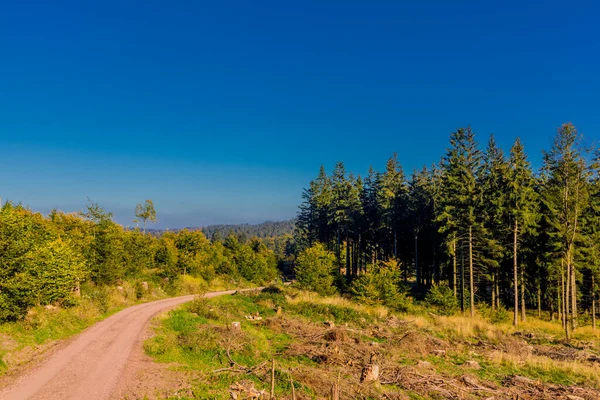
(442, 299)
(100, 297)
(493, 315)
(139, 290)
(381, 286)
(199, 306)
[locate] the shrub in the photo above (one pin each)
(99, 297)
(316, 271)
(187, 284)
(381, 286)
(497, 315)
(441, 298)
(198, 306)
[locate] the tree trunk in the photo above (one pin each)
(539, 300)
(515, 276)
(523, 313)
(359, 253)
(567, 300)
(559, 303)
(417, 271)
(573, 297)
(462, 279)
(348, 271)
(395, 244)
(562, 305)
(498, 292)
(471, 283)
(593, 304)
(374, 256)
(494, 290)
(454, 266)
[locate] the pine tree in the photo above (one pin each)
(392, 201)
(342, 214)
(522, 209)
(421, 203)
(591, 235)
(566, 197)
(462, 197)
(493, 213)
(371, 213)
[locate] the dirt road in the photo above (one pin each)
(91, 366)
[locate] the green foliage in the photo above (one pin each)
(187, 284)
(255, 263)
(381, 286)
(265, 230)
(315, 270)
(441, 298)
(46, 260)
(55, 271)
(166, 257)
(494, 315)
(145, 213)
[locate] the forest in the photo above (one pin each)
(263, 230)
(58, 259)
(479, 227)
(477, 231)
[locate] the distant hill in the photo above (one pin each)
(264, 230)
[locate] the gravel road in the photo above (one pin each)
(91, 366)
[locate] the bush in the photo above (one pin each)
(441, 298)
(494, 316)
(99, 297)
(316, 271)
(381, 286)
(199, 306)
(187, 284)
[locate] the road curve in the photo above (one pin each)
(91, 365)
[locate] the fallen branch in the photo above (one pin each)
(237, 368)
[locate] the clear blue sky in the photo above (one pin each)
(222, 111)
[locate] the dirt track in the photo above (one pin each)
(92, 365)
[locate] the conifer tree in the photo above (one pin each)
(565, 196)
(522, 209)
(462, 166)
(392, 199)
(371, 213)
(493, 213)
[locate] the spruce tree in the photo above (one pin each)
(462, 166)
(522, 209)
(392, 200)
(566, 169)
(493, 213)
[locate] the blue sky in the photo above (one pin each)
(221, 112)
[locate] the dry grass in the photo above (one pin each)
(545, 366)
(419, 356)
(296, 297)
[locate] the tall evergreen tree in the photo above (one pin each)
(566, 197)
(392, 201)
(493, 213)
(462, 166)
(522, 209)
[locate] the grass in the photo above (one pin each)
(295, 331)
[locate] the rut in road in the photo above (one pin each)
(90, 367)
